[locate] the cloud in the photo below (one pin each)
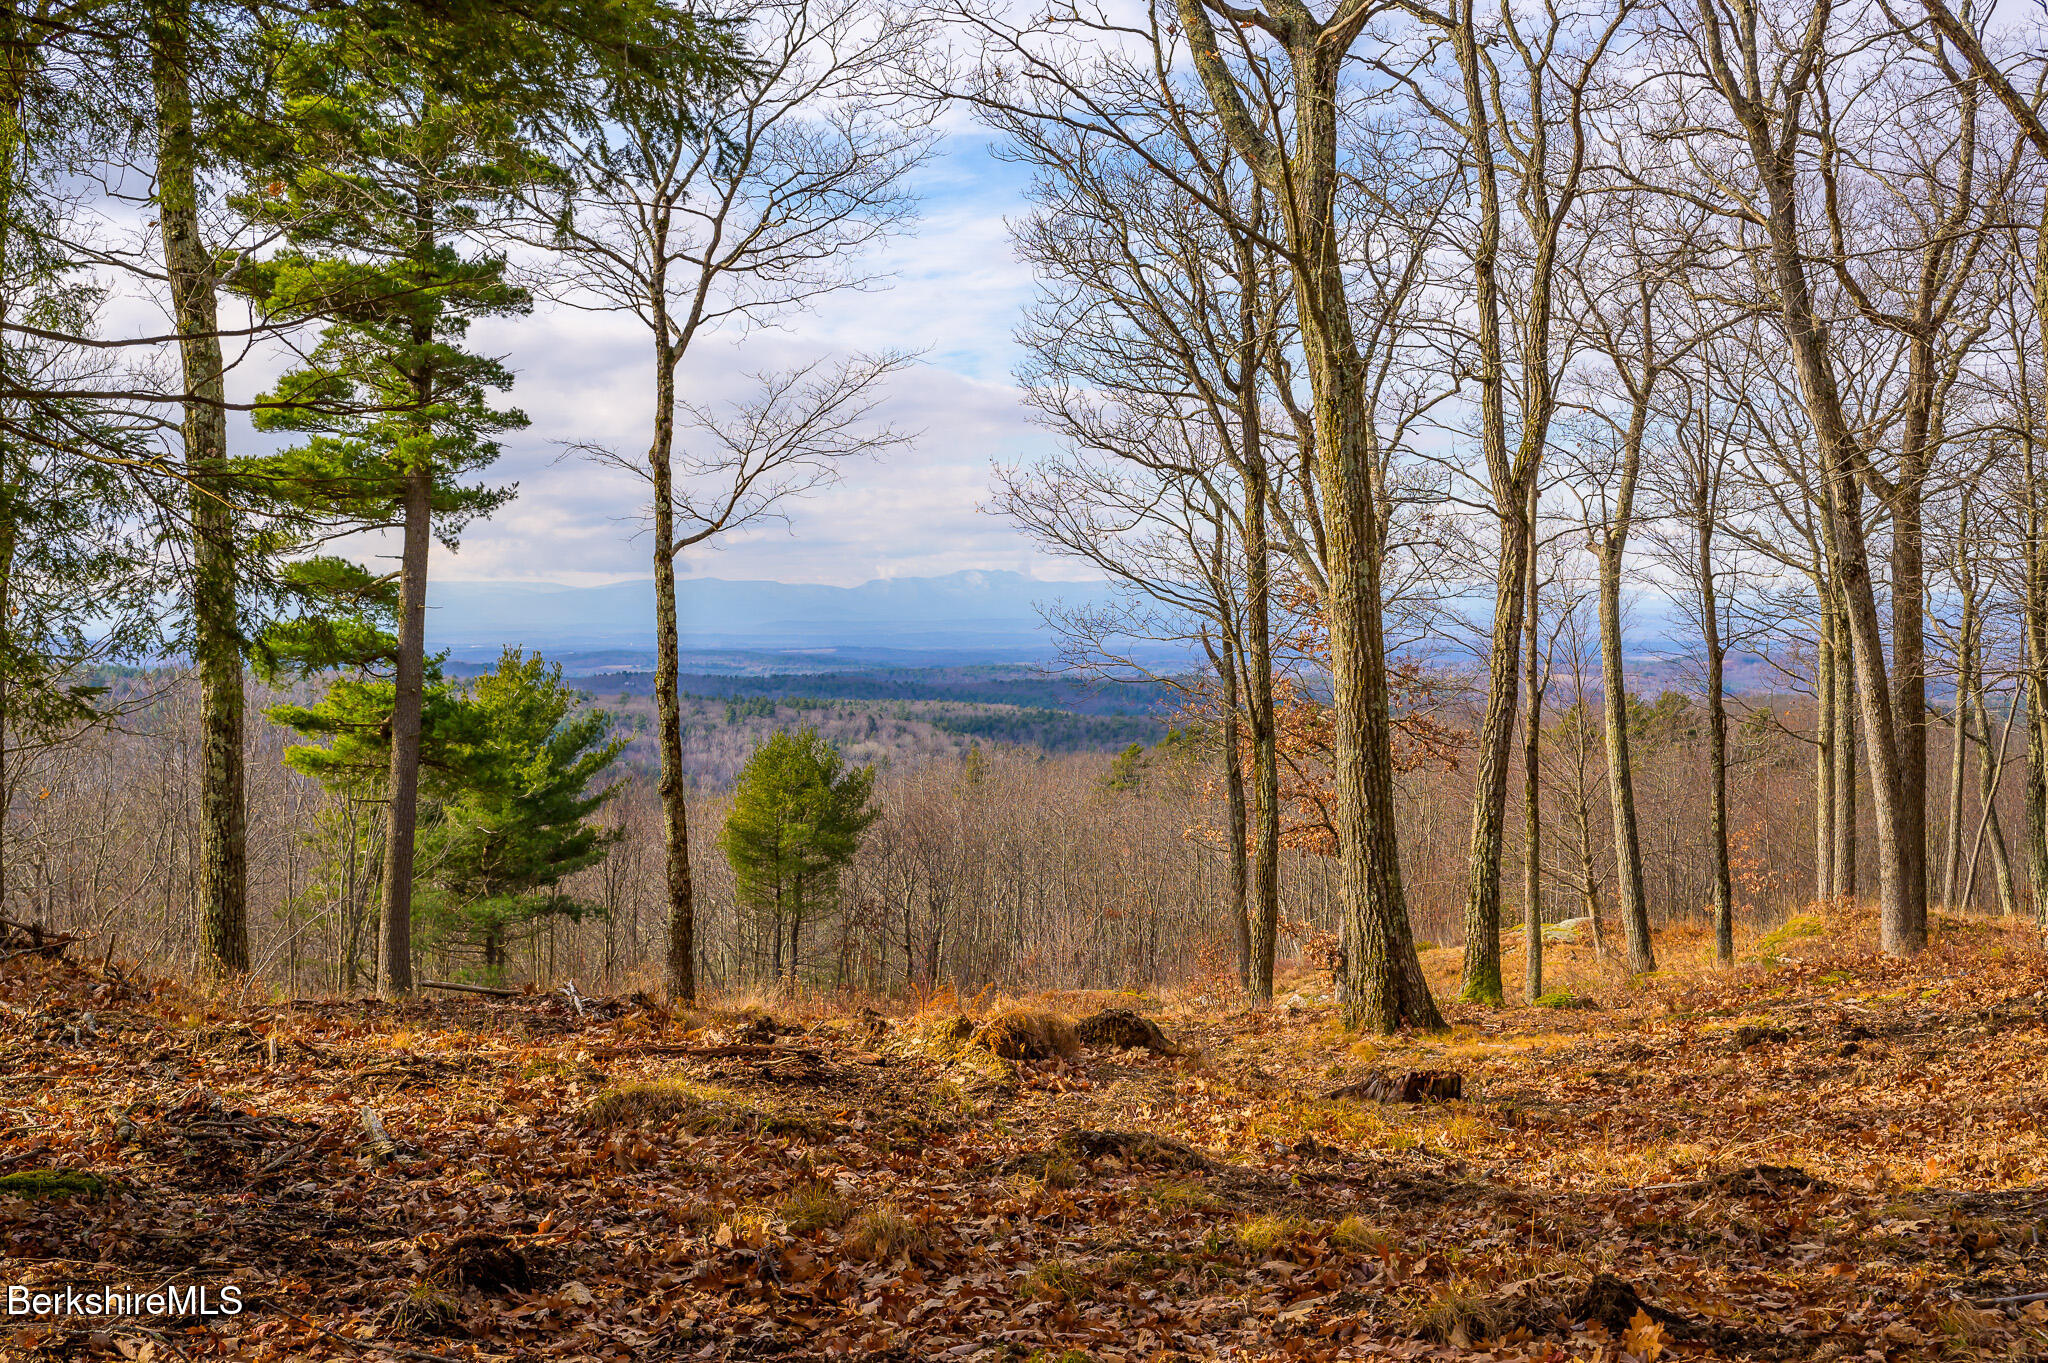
(955, 293)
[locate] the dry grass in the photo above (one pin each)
(1264, 1236)
(1060, 1172)
(1456, 1313)
(693, 1106)
(815, 1207)
(1356, 1235)
(1184, 1194)
(885, 1233)
(1029, 1034)
(1054, 1280)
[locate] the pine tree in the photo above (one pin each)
(392, 165)
(797, 817)
(503, 845)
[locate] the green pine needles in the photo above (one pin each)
(797, 817)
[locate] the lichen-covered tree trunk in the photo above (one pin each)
(1532, 786)
(681, 968)
(216, 634)
(1481, 977)
(1846, 816)
(1824, 756)
(1959, 748)
(1256, 981)
(1621, 788)
(1258, 631)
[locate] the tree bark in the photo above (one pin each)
(216, 635)
(1991, 765)
(1717, 735)
(1845, 814)
(1249, 973)
(1258, 629)
(1532, 784)
(1384, 984)
(1824, 755)
(394, 956)
(1610, 548)
(675, 815)
(1776, 135)
(1966, 646)
(1481, 976)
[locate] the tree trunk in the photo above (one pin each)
(1991, 765)
(1628, 847)
(2035, 795)
(1846, 726)
(668, 664)
(1717, 737)
(1966, 644)
(1532, 785)
(1902, 884)
(1904, 906)
(216, 635)
(1248, 969)
(1825, 730)
(1481, 978)
(1259, 713)
(394, 957)
(1384, 986)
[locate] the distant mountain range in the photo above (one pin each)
(992, 615)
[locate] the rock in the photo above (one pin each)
(1122, 1029)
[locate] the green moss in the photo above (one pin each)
(1796, 927)
(37, 1183)
(1565, 998)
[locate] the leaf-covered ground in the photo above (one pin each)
(1824, 1154)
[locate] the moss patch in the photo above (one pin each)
(1795, 928)
(39, 1183)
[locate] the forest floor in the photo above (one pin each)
(1823, 1153)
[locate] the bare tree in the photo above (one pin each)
(1515, 101)
(729, 219)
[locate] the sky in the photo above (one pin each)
(956, 296)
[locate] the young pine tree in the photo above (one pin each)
(797, 818)
(501, 848)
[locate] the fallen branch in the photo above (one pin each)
(736, 1048)
(491, 990)
(2026, 1299)
(367, 1345)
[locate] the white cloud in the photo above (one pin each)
(956, 293)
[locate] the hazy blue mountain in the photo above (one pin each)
(981, 613)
